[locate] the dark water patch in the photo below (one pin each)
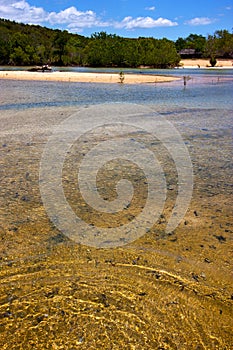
(22, 106)
(185, 111)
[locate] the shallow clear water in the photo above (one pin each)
(205, 89)
(160, 291)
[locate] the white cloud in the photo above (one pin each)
(71, 18)
(144, 22)
(21, 11)
(228, 8)
(152, 8)
(200, 21)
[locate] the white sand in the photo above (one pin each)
(85, 77)
(205, 63)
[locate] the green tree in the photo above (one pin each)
(4, 51)
(211, 47)
(19, 57)
(74, 50)
(60, 47)
(180, 44)
(219, 45)
(224, 43)
(158, 53)
(101, 50)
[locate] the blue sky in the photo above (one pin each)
(128, 18)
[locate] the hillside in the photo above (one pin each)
(25, 45)
(22, 44)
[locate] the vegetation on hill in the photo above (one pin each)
(23, 44)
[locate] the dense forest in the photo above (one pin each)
(23, 44)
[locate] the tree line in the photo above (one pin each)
(23, 44)
(218, 45)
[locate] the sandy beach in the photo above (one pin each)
(205, 63)
(86, 77)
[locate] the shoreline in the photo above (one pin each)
(83, 77)
(205, 63)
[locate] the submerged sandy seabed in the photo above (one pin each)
(160, 292)
(86, 77)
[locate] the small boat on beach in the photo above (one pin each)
(44, 68)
